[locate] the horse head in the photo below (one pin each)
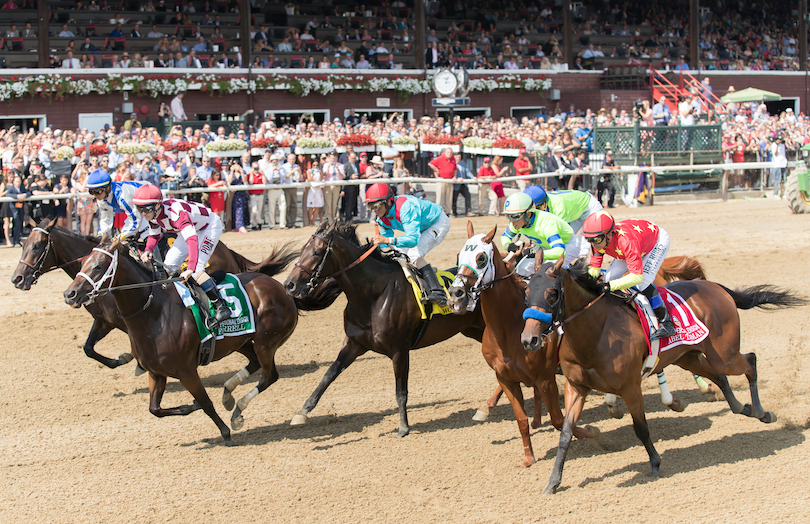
(37, 255)
(476, 269)
(306, 275)
(545, 303)
(98, 269)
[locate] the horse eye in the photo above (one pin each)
(550, 295)
(318, 252)
(97, 267)
(481, 260)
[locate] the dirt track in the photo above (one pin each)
(79, 443)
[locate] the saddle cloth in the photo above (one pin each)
(234, 294)
(690, 329)
(445, 279)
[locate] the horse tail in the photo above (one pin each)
(681, 268)
(279, 259)
(243, 264)
(323, 297)
(764, 297)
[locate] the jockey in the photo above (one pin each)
(198, 230)
(545, 230)
(424, 223)
(573, 207)
(639, 248)
(112, 198)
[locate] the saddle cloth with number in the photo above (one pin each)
(690, 329)
(234, 294)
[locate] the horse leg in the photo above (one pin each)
(635, 405)
(227, 395)
(191, 381)
(666, 396)
(351, 350)
(100, 330)
(402, 362)
(697, 363)
(755, 409)
(157, 385)
(269, 376)
(550, 393)
(574, 402)
(515, 396)
(482, 414)
(704, 386)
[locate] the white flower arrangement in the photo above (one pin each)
(403, 140)
(63, 153)
(476, 142)
(134, 148)
(233, 144)
(314, 143)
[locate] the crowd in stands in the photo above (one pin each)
(35, 163)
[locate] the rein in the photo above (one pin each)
(315, 275)
(40, 261)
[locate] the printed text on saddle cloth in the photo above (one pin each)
(690, 329)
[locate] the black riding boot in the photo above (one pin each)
(436, 293)
(222, 311)
(665, 326)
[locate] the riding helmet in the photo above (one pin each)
(98, 178)
(517, 203)
(537, 193)
(147, 194)
(599, 223)
(377, 192)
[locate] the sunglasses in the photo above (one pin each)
(597, 240)
(151, 208)
(515, 216)
(96, 192)
(376, 205)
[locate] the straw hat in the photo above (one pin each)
(377, 160)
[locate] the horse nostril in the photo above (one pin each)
(534, 342)
(16, 280)
(459, 293)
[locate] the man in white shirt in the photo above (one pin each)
(64, 33)
(363, 63)
(290, 173)
(511, 64)
(178, 113)
(389, 155)
(154, 33)
(284, 46)
(70, 62)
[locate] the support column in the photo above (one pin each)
(568, 39)
(803, 38)
(245, 44)
(419, 34)
(694, 33)
(42, 35)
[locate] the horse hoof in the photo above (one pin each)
(769, 417)
(237, 420)
(536, 423)
(228, 442)
(550, 490)
(655, 473)
(677, 406)
(403, 432)
(228, 401)
(615, 411)
(480, 416)
(125, 358)
(593, 430)
(298, 420)
(139, 370)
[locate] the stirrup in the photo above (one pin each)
(649, 365)
(665, 329)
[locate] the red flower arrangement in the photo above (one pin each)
(261, 143)
(508, 143)
(180, 145)
(356, 140)
(95, 150)
(445, 140)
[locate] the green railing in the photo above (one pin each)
(661, 145)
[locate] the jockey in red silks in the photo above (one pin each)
(639, 248)
(424, 223)
(198, 230)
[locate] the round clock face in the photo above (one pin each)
(445, 83)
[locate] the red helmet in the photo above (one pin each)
(377, 192)
(599, 223)
(146, 195)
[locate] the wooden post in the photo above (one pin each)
(568, 39)
(43, 36)
(244, 32)
(694, 33)
(419, 34)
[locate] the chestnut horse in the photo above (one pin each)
(163, 334)
(603, 346)
(50, 247)
(382, 314)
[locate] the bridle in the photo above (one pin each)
(109, 274)
(315, 276)
(474, 292)
(40, 261)
(552, 319)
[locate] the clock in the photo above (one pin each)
(445, 83)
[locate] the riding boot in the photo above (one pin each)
(221, 309)
(435, 292)
(665, 326)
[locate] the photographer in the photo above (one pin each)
(164, 113)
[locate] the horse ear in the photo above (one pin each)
(488, 239)
(554, 270)
(470, 230)
(50, 225)
(104, 239)
(538, 260)
(32, 222)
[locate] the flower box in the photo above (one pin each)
(438, 148)
(141, 156)
(313, 150)
(258, 151)
(226, 154)
(505, 152)
(478, 151)
(404, 148)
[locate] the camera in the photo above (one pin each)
(638, 106)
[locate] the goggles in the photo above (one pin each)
(149, 208)
(98, 191)
(376, 205)
(597, 240)
(514, 216)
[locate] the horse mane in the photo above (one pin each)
(579, 272)
(275, 263)
(77, 236)
(348, 231)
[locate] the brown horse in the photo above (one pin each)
(163, 334)
(482, 272)
(603, 346)
(382, 314)
(50, 247)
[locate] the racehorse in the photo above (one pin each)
(382, 314)
(603, 346)
(50, 247)
(483, 272)
(163, 334)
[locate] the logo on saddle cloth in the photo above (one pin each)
(690, 329)
(234, 294)
(446, 280)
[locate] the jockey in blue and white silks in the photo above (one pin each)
(112, 198)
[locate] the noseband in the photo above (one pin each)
(108, 275)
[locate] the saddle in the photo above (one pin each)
(207, 346)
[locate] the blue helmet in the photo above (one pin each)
(98, 178)
(537, 193)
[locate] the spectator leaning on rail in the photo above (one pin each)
(112, 198)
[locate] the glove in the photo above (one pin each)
(527, 252)
(604, 288)
(512, 247)
(593, 271)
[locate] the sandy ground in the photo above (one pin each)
(79, 444)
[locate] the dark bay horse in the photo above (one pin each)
(163, 334)
(603, 346)
(382, 314)
(50, 247)
(482, 270)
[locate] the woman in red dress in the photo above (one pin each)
(216, 199)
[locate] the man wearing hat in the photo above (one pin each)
(555, 164)
(176, 106)
(604, 180)
(523, 167)
(132, 124)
